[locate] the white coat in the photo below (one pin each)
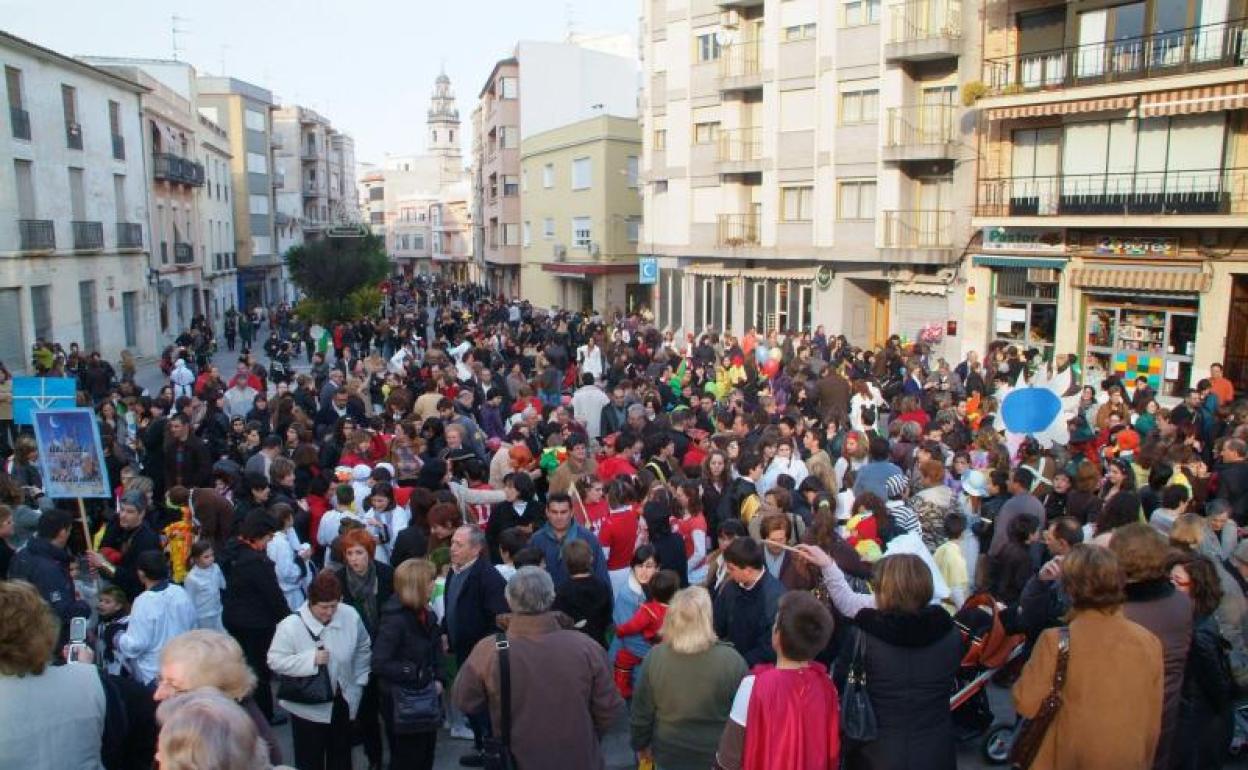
(283, 551)
(293, 653)
(159, 614)
(204, 587)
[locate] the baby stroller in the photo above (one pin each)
(989, 649)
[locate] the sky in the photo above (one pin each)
(366, 65)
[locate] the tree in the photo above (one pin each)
(339, 276)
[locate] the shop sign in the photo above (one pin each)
(1024, 240)
(823, 277)
(1144, 246)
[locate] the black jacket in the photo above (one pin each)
(1233, 487)
(46, 567)
(744, 618)
(193, 469)
(411, 543)
(253, 600)
(588, 601)
(612, 418)
(670, 550)
(730, 502)
(129, 543)
(407, 646)
(479, 602)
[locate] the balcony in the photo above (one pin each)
(129, 236)
(73, 135)
(308, 153)
(183, 254)
(920, 132)
(175, 169)
(740, 65)
(1137, 193)
(737, 230)
(740, 150)
(119, 147)
(36, 234)
(1195, 49)
(740, 3)
(21, 123)
(313, 189)
(88, 236)
(922, 232)
(924, 30)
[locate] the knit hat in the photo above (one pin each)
(897, 486)
(135, 498)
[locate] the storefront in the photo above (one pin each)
(1023, 301)
(737, 299)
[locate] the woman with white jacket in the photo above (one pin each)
(324, 632)
(289, 557)
(390, 517)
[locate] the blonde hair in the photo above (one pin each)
(903, 583)
(1188, 530)
(688, 627)
(28, 630)
(413, 583)
(204, 730)
(211, 659)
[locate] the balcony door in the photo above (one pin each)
(1041, 35)
(1111, 41)
(1213, 38)
(1033, 171)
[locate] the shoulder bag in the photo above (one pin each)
(857, 714)
(417, 706)
(1031, 732)
(307, 690)
(497, 750)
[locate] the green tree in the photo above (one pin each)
(338, 276)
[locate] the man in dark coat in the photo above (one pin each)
(1233, 479)
(187, 462)
(832, 396)
(46, 564)
(745, 609)
(125, 538)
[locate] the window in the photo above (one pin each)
(633, 170)
(660, 139)
(582, 232)
(377, 217)
(860, 106)
(548, 228)
(119, 197)
(41, 311)
(660, 186)
(633, 228)
(259, 204)
(548, 176)
(13, 82)
(856, 200)
(705, 133)
(24, 177)
(418, 241)
(254, 120)
(527, 235)
(524, 180)
(860, 12)
(508, 137)
(257, 163)
(582, 173)
(796, 204)
(73, 131)
(799, 32)
(708, 47)
(511, 234)
(511, 186)
(509, 87)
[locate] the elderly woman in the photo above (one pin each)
(199, 659)
(205, 730)
(1112, 697)
(51, 717)
(324, 632)
(933, 502)
(685, 687)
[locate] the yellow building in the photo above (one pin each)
(581, 213)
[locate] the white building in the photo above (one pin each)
(216, 216)
(74, 239)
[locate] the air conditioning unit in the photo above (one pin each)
(1043, 275)
(561, 252)
(730, 18)
(594, 249)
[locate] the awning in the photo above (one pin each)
(761, 273)
(1192, 281)
(712, 271)
(1062, 108)
(1187, 101)
(984, 260)
(931, 289)
(596, 268)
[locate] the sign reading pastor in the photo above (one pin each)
(1024, 240)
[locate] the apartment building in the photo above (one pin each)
(220, 284)
(802, 164)
(582, 216)
(73, 211)
(1112, 195)
(542, 87)
(243, 110)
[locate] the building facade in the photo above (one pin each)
(74, 242)
(243, 110)
(582, 216)
(803, 163)
(216, 210)
(1112, 196)
(496, 177)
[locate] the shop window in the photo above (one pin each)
(1153, 338)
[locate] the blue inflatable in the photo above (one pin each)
(1030, 410)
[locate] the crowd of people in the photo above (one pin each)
(471, 515)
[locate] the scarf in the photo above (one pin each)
(363, 588)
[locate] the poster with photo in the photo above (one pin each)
(71, 457)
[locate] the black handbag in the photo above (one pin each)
(857, 714)
(417, 708)
(497, 750)
(311, 690)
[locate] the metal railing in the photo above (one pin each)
(119, 147)
(1212, 46)
(21, 122)
(738, 230)
(308, 153)
(168, 167)
(740, 59)
(1202, 191)
(920, 124)
(36, 234)
(312, 187)
(88, 235)
(924, 19)
(183, 253)
(129, 235)
(918, 229)
(738, 145)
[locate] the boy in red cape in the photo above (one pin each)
(787, 716)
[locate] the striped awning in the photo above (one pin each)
(930, 289)
(780, 274)
(1187, 101)
(1063, 108)
(712, 271)
(1193, 281)
(987, 260)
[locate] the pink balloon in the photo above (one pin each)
(771, 368)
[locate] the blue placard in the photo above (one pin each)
(31, 393)
(71, 457)
(648, 270)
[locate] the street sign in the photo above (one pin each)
(34, 393)
(648, 270)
